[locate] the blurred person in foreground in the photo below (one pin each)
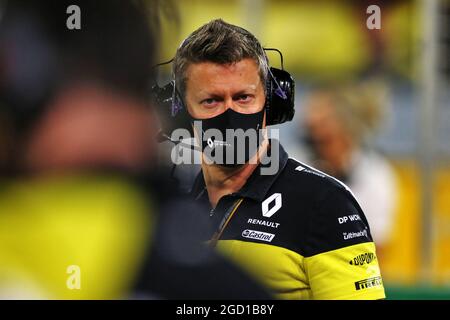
(340, 123)
(277, 217)
(82, 206)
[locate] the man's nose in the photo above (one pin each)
(229, 104)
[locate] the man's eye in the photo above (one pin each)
(209, 101)
(244, 97)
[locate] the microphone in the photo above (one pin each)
(162, 137)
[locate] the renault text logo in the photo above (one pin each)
(265, 205)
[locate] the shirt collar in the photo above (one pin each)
(257, 185)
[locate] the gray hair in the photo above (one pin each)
(218, 42)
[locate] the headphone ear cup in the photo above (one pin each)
(171, 108)
(280, 97)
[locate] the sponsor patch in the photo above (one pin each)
(368, 283)
(263, 223)
(258, 235)
(315, 173)
(365, 258)
(274, 198)
(351, 235)
(351, 218)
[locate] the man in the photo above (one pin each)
(299, 231)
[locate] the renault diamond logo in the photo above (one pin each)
(265, 205)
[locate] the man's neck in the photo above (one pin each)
(221, 181)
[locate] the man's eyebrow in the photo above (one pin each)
(248, 90)
(218, 95)
(207, 95)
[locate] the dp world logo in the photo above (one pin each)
(274, 202)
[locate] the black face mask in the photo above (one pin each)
(231, 138)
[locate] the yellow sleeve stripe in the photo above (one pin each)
(346, 273)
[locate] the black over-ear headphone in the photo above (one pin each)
(280, 94)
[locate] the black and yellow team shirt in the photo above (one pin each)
(300, 232)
